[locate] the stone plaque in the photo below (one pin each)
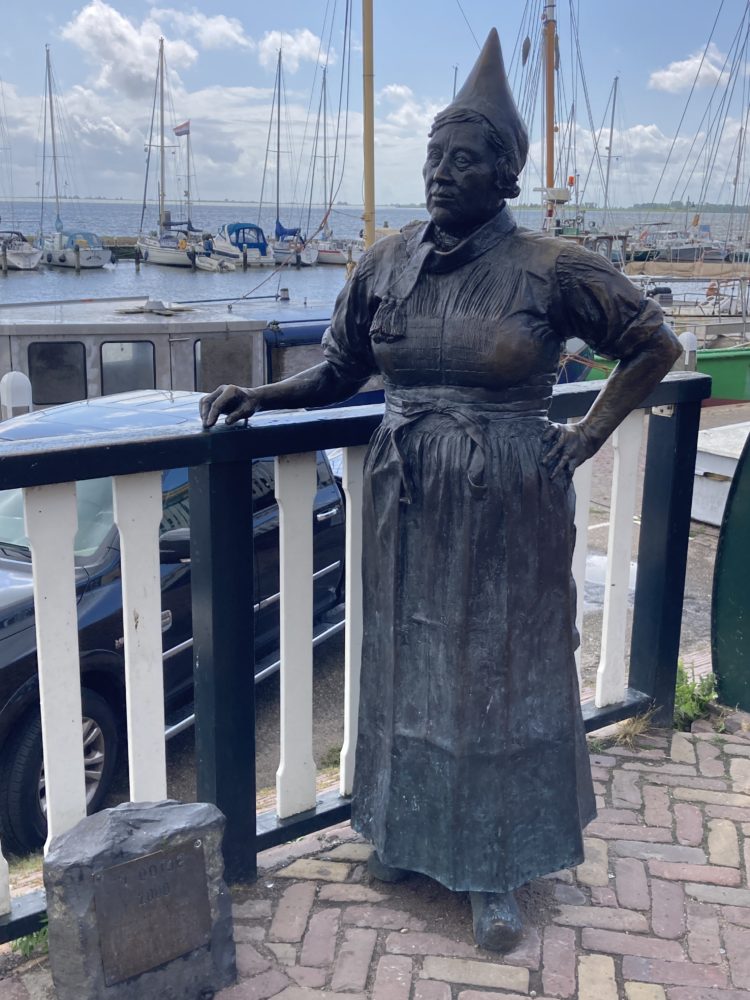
(151, 910)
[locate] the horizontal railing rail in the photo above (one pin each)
(628, 681)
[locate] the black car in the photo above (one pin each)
(98, 582)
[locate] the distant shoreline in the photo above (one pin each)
(344, 206)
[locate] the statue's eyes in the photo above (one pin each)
(462, 161)
(434, 155)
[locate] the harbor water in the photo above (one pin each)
(311, 290)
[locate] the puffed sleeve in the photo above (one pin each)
(601, 306)
(346, 342)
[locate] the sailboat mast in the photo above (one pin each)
(162, 167)
(326, 199)
(550, 37)
(52, 133)
(278, 137)
(609, 148)
(368, 110)
(187, 189)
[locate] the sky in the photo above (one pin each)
(221, 57)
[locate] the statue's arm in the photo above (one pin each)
(316, 386)
(634, 378)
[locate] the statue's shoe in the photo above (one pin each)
(384, 873)
(497, 920)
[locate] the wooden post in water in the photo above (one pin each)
(77, 256)
(5, 260)
(244, 258)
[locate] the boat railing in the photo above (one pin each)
(637, 661)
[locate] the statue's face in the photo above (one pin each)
(460, 178)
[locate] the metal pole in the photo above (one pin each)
(609, 148)
(52, 134)
(455, 80)
(368, 110)
(162, 168)
(550, 29)
(278, 133)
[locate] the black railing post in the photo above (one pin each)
(662, 555)
(221, 516)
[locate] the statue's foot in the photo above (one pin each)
(497, 920)
(384, 873)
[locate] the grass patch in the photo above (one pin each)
(629, 730)
(36, 943)
(330, 758)
(26, 865)
(693, 698)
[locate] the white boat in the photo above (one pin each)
(332, 251)
(295, 253)
(172, 248)
(238, 241)
(173, 244)
(75, 248)
(16, 253)
(205, 263)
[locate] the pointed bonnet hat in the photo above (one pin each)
(486, 92)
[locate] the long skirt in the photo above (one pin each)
(471, 762)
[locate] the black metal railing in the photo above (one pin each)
(222, 579)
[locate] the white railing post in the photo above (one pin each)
(4, 886)
(612, 672)
(137, 508)
(582, 483)
(51, 522)
(296, 486)
(354, 460)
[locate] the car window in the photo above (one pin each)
(263, 484)
(95, 517)
(175, 500)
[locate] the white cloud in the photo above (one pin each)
(296, 47)
(680, 75)
(123, 55)
(403, 111)
(218, 32)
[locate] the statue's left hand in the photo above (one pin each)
(566, 447)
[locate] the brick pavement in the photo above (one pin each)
(660, 909)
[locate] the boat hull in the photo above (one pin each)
(153, 253)
(306, 257)
(86, 258)
(24, 260)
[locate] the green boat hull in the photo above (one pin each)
(729, 367)
(730, 606)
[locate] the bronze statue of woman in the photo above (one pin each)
(471, 760)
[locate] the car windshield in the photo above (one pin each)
(95, 517)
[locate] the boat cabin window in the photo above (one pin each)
(127, 365)
(57, 371)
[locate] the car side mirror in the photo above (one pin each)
(174, 545)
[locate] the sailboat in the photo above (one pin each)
(331, 250)
(76, 248)
(289, 246)
(16, 252)
(173, 244)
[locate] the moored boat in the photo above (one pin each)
(76, 248)
(172, 248)
(16, 253)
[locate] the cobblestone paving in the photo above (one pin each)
(660, 909)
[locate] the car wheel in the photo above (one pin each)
(23, 800)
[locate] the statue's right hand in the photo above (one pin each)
(233, 401)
